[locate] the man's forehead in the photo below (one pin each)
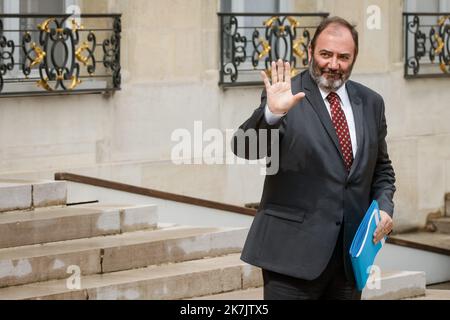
(336, 30)
(336, 38)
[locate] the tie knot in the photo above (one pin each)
(333, 97)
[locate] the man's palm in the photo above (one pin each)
(279, 94)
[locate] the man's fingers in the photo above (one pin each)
(280, 70)
(273, 71)
(377, 238)
(378, 235)
(266, 80)
(387, 227)
(383, 229)
(379, 229)
(299, 96)
(287, 73)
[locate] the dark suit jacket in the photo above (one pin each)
(304, 205)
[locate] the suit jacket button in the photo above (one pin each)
(338, 223)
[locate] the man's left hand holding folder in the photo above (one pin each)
(384, 227)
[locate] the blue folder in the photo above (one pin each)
(363, 251)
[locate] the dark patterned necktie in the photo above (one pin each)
(341, 126)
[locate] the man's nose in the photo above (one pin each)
(334, 63)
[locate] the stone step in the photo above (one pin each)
(23, 195)
(247, 294)
(442, 224)
(397, 285)
(433, 294)
(28, 264)
(170, 281)
(427, 241)
(20, 228)
(393, 286)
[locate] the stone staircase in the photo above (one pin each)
(121, 251)
(49, 250)
(393, 286)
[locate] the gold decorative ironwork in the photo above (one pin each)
(43, 83)
(293, 22)
(266, 48)
(39, 55)
(297, 49)
(294, 72)
(75, 82)
(76, 26)
(440, 44)
(273, 37)
(63, 56)
(79, 53)
(60, 75)
(269, 22)
(45, 26)
(441, 21)
(437, 50)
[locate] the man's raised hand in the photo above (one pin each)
(279, 94)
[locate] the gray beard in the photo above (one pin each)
(323, 83)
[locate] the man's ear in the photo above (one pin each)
(309, 54)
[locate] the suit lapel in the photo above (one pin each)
(315, 100)
(357, 107)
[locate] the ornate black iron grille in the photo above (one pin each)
(59, 54)
(427, 45)
(251, 41)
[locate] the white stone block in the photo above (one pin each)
(14, 196)
(51, 193)
(397, 285)
(139, 217)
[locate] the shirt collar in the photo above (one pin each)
(340, 92)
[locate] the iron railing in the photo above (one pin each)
(249, 42)
(427, 45)
(43, 54)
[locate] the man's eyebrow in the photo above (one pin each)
(345, 54)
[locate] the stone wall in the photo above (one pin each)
(170, 62)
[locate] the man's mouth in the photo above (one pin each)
(332, 75)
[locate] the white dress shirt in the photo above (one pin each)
(272, 118)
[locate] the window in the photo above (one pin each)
(255, 6)
(30, 7)
(47, 47)
(427, 6)
(426, 35)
